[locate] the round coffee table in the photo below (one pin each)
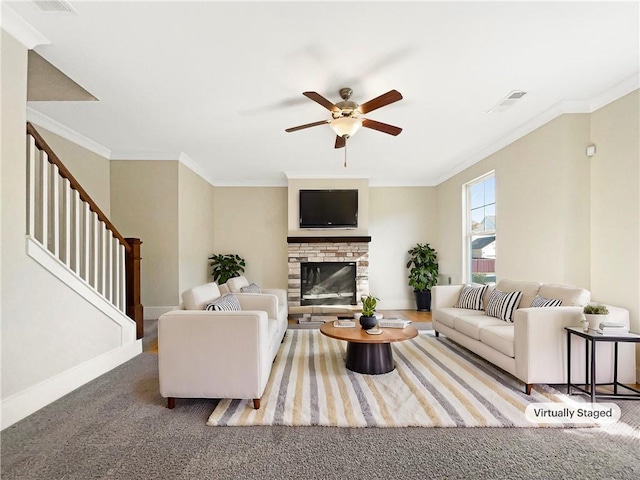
(369, 354)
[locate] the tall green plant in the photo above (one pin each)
(226, 266)
(423, 262)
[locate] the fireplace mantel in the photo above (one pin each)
(328, 239)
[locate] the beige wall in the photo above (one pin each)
(89, 168)
(144, 204)
(297, 184)
(252, 222)
(195, 228)
(399, 217)
(615, 206)
(47, 329)
(542, 195)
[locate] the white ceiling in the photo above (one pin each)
(218, 82)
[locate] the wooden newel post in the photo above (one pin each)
(135, 310)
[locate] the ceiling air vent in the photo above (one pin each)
(507, 101)
(54, 6)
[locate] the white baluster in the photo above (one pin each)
(44, 201)
(115, 269)
(123, 279)
(106, 290)
(31, 209)
(55, 224)
(77, 246)
(87, 242)
(96, 249)
(66, 188)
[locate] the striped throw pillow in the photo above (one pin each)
(502, 304)
(226, 303)
(540, 301)
(251, 288)
(471, 297)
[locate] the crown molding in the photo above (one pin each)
(195, 167)
(614, 93)
(17, 27)
(58, 128)
(145, 156)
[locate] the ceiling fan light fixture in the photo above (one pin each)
(345, 126)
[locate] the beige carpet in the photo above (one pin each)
(435, 384)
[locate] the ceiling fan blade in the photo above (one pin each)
(300, 127)
(384, 99)
(316, 97)
(381, 127)
(340, 141)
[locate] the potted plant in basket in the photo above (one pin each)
(226, 266)
(368, 319)
(423, 276)
(595, 314)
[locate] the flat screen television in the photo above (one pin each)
(328, 208)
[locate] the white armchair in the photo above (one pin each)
(213, 354)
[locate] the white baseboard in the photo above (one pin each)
(23, 404)
(152, 313)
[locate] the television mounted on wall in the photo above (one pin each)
(328, 208)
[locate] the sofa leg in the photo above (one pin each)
(527, 389)
(256, 403)
(171, 402)
(437, 334)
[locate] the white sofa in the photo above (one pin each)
(218, 354)
(534, 347)
(234, 285)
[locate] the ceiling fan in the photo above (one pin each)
(346, 115)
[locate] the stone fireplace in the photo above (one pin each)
(344, 256)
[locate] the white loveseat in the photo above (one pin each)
(534, 347)
(218, 354)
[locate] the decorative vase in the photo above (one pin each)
(595, 320)
(368, 323)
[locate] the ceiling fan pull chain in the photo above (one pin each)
(345, 153)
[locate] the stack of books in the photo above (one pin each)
(393, 323)
(344, 323)
(611, 328)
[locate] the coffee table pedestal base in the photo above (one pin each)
(369, 358)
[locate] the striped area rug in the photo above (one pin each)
(435, 384)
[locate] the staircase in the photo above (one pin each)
(69, 235)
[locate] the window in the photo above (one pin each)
(480, 231)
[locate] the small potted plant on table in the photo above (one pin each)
(595, 314)
(368, 319)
